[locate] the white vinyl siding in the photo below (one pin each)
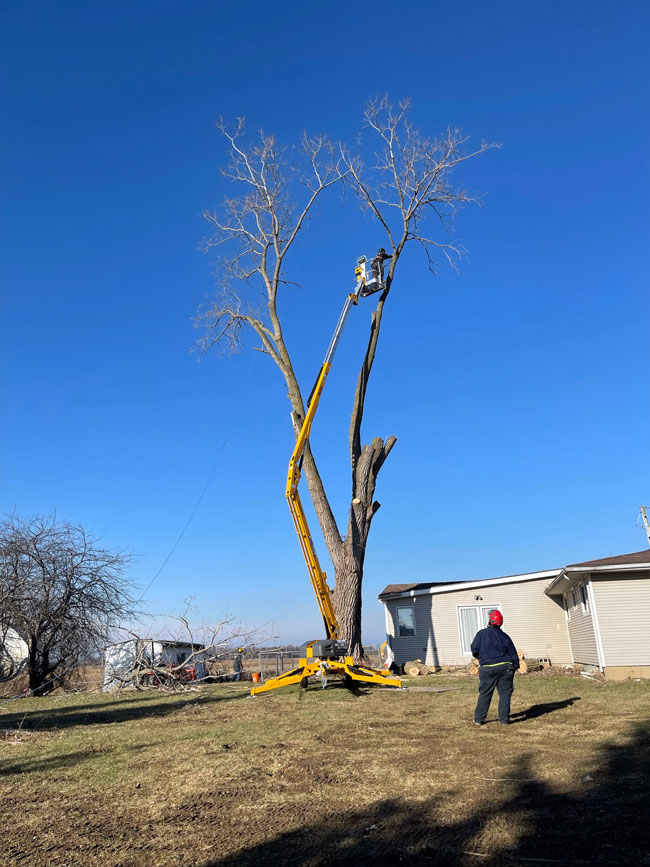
(535, 622)
(623, 606)
(581, 629)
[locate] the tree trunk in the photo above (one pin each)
(349, 569)
(38, 670)
(347, 605)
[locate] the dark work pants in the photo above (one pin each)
(489, 678)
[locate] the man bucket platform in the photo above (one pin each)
(498, 661)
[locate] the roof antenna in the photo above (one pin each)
(644, 518)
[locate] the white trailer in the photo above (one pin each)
(123, 658)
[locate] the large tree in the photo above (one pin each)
(405, 185)
(63, 593)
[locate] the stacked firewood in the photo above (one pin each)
(526, 664)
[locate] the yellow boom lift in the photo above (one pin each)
(324, 658)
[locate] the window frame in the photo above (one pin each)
(398, 626)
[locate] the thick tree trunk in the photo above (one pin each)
(347, 604)
(38, 671)
(349, 572)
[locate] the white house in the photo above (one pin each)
(594, 613)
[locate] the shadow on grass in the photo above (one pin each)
(536, 710)
(58, 762)
(121, 710)
(599, 821)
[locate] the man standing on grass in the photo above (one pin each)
(238, 664)
(498, 661)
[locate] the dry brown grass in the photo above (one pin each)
(327, 777)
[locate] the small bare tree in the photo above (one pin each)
(408, 180)
(209, 645)
(71, 592)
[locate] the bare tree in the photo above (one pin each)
(408, 180)
(71, 593)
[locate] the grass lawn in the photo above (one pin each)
(329, 777)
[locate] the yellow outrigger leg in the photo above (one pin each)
(328, 657)
(323, 669)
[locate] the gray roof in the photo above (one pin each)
(426, 585)
(622, 559)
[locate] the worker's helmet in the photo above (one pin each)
(496, 618)
(240, 650)
(380, 250)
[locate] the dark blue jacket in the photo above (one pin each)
(491, 646)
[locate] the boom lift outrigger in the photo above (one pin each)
(329, 656)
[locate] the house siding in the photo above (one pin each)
(418, 646)
(623, 607)
(535, 622)
(581, 631)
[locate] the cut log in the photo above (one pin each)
(520, 653)
(528, 665)
(472, 668)
(415, 668)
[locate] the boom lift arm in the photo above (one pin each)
(329, 656)
(318, 577)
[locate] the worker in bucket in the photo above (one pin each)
(498, 661)
(377, 265)
(237, 664)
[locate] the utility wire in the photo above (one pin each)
(234, 418)
(183, 531)
(203, 492)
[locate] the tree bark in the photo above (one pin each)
(349, 571)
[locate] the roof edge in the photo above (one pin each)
(586, 570)
(467, 585)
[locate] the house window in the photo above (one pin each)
(574, 598)
(471, 618)
(567, 606)
(406, 621)
(181, 657)
(585, 599)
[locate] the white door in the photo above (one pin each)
(471, 618)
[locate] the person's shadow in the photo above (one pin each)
(536, 710)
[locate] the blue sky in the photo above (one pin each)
(518, 389)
